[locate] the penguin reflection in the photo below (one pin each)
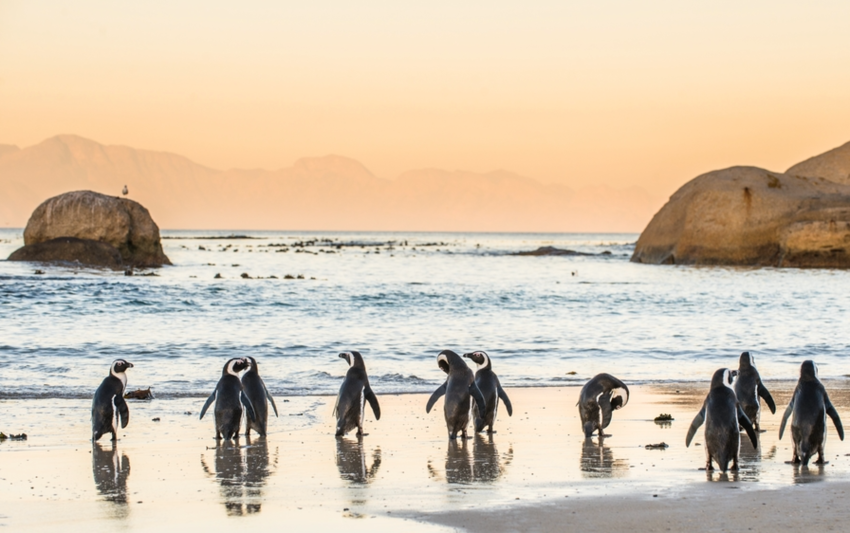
(110, 475)
(487, 464)
(241, 476)
(351, 461)
(597, 461)
(458, 464)
(808, 474)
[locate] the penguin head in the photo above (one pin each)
(119, 366)
(235, 365)
(447, 359)
(723, 377)
(809, 370)
(252, 364)
(353, 358)
(480, 358)
(746, 361)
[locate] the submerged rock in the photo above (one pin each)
(90, 216)
(752, 217)
(551, 250)
(71, 250)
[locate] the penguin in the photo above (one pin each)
(722, 414)
(459, 388)
(256, 391)
(108, 404)
(353, 394)
(599, 398)
(810, 405)
(488, 383)
(124, 191)
(229, 401)
(749, 388)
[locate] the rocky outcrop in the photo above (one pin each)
(118, 222)
(71, 250)
(751, 216)
(833, 165)
(551, 250)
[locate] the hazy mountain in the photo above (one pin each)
(323, 193)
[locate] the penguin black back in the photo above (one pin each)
(258, 394)
(598, 400)
(722, 415)
(491, 389)
(810, 406)
(230, 399)
(749, 388)
(108, 405)
(354, 392)
(459, 389)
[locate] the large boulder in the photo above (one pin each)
(88, 215)
(833, 165)
(751, 216)
(71, 250)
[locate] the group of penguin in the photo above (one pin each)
(732, 403)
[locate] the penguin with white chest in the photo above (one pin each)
(722, 414)
(108, 405)
(230, 401)
(353, 395)
(749, 388)
(598, 400)
(258, 394)
(459, 389)
(488, 383)
(810, 406)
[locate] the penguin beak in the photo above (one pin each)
(129, 365)
(343, 356)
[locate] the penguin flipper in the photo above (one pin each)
(788, 411)
(373, 401)
(504, 397)
(441, 390)
(604, 402)
(124, 411)
(745, 422)
(209, 402)
(833, 414)
(698, 421)
(475, 392)
(271, 400)
(768, 399)
(249, 407)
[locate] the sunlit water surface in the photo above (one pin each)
(400, 298)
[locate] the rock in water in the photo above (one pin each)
(71, 250)
(119, 222)
(750, 216)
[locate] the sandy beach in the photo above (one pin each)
(536, 473)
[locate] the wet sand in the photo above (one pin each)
(536, 473)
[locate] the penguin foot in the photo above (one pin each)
(604, 435)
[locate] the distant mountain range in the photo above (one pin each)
(319, 193)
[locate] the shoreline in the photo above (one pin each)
(838, 383)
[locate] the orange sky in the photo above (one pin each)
(582, 93)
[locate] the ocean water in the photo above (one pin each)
(400, 298)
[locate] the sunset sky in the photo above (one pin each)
(619, 93)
